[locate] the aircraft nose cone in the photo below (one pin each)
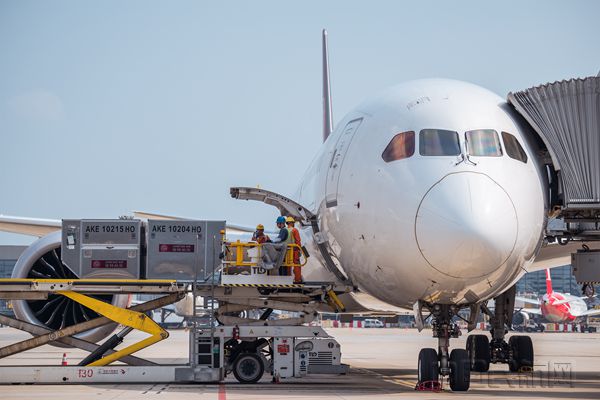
(466, 225)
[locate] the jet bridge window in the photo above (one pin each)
(438, 142)
(513, 147)
(401, 146)
(483, 143)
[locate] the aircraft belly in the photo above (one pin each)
(404, 284)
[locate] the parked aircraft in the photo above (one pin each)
(429, 196)
(556, 306)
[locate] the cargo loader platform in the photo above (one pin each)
(262, 345)
(227, 291)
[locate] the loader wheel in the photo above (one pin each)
(248, 368)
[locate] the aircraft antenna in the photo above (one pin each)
(327, 113)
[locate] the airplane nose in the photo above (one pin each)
(466, 225)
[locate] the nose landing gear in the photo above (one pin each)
(455, 365)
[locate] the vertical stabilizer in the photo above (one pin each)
(548, 282)
(327, 114)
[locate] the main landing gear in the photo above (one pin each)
(457, 364)
(517, 353)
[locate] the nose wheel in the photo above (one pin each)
(454, 365)
(460, 371)
(428, 370)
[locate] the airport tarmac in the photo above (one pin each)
(383, 366)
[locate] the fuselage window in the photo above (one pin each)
(513, 147)
(438, 142)
(483, 143)
(401, 146)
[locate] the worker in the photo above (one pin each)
(284, 238)
(259, 235)
(294, 235)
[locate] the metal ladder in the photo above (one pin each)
(204, 350)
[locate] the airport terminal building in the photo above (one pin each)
(562, 281)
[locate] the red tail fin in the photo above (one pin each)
(548, 282)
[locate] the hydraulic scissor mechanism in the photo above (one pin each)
(129, 318)
(334, 302)
(226, 313)
(132, 318)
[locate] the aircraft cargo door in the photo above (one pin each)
(337, 160)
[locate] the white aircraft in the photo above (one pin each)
(429, 196)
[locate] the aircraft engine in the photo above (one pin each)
(42, 260)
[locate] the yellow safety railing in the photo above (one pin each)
(236, 255)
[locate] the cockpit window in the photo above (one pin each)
(483, 143)
(401, 146)
(438, 142)
(513, 147)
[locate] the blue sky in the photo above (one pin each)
(108, 107)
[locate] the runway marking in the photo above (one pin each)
(157, 388)
(404, 383)
(150, 389)
(387, 378)
(222, 392)
(165, 387)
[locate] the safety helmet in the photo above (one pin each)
(280, 220)
(290, 219)
(260, 227)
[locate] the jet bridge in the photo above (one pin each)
(566, 116)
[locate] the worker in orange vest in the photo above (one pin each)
(259, 236)
(294, 234)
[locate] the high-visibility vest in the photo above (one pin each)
(290, 238)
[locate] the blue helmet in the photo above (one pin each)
(280, 220)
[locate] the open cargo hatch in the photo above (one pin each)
(301, 214)
(285, 205)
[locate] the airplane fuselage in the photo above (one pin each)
(451, 213)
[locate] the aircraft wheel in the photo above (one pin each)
(428, 366)
(478, 348)
(248, 368)
(521, 353)
(460, 370)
